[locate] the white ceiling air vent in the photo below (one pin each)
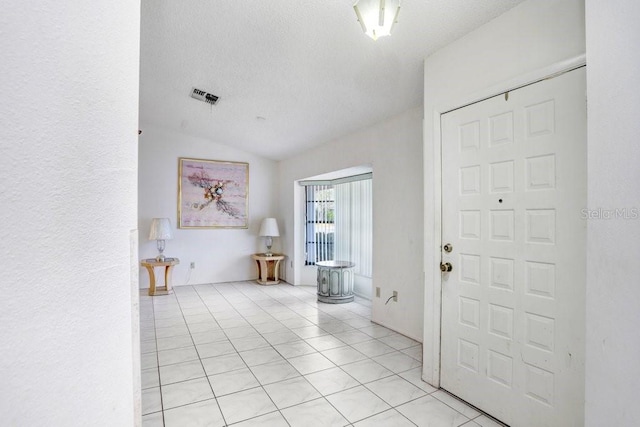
(204, 96)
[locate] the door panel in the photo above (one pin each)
(513, 186)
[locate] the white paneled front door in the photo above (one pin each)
(513, 187)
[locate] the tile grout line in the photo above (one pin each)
(248, 367)
(252, 373)
(155, 335)
(262, 304)
(199, 359)
(322, 396)
(290, 329)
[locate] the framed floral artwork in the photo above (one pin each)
(212, 194)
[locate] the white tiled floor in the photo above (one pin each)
(247, 355)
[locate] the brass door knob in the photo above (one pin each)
(446, 267)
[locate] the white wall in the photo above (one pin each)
(497, 56)
(221, 255)
(613, 284)
(68, 166)
(394, 149)
(363, 286)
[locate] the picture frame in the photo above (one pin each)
(212, 193)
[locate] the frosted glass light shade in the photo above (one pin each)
(377, 17)
(160, 229)
(269, 227)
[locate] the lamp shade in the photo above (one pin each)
(377, 17)
(269, 227)
(160, 229)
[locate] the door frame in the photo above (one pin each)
(433, 279)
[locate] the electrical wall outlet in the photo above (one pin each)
(193, 265)
(378, 292)
(395, 296)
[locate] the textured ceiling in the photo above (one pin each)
(290, 74)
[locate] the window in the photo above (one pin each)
(320, 223)
(339, 223)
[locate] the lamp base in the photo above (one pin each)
(269, 242)
(160, 257)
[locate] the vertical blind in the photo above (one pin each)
(354, 224)
(339, 222)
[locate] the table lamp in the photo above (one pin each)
(160, 231)
(269, 229)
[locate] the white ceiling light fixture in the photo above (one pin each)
(377, 17)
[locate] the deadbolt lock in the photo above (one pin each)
(446, 267)
(448, 247)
